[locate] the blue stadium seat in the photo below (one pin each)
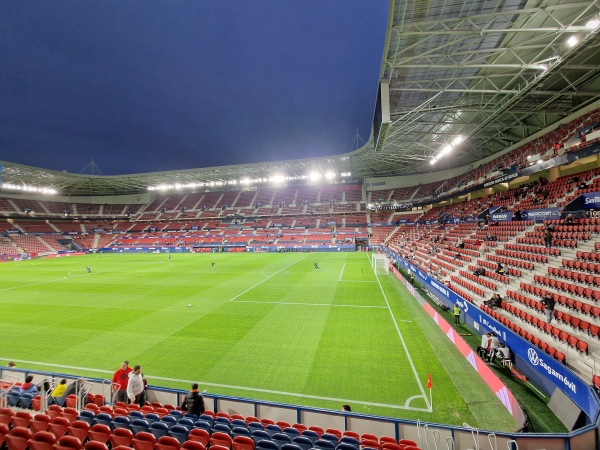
(310, 434)
(169, 421)
(330, 437)
(272, 429)
(290, 447)
(280, 439)
(103, 419)
(291, 432)
(240, 431)
(159, 429)
(222, 428)
(120, 422)
(87, 416)
(207, 418)
(179, 432)
(175, 412)
(151, 418)
(25, 400)
(203, 424)
(186, 422)
(345, 446)
(138, 425)
(259, 435)
(303, 442)
(324, 444)
(238, 423)
(265, 444)
(350, 440)
(256, 426)
(135, 415)
(193, 417)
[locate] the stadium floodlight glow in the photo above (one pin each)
(433, 161)
(27, 188)
(457, 140)
(572, 41)
(330, 175)
(314, 176)
(592, 24)
(277, 179)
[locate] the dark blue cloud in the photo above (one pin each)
(155, 85)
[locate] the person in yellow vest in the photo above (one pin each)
(58, 392)
(456, 312)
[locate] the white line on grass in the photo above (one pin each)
(270, 276)
(342, 272)
(227, 386)
(412, 364)
(311, 304)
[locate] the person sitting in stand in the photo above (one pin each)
(570, 220)
(479, 271)
(500, 269)
(494, 302)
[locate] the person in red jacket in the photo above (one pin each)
(120, 380)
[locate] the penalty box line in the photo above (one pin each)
(227, 386)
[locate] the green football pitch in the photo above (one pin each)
(256, 325)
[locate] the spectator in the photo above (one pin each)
(193, 402)
(549, 303)
(29, 386)
(135, 385)
(570, 220)
(75, 388)
(500, 269)
(58, 391)
(11, 365)
(494, 302)
(479, 271)
(120, 380)
(481, 350)
(346, 408)
(493, 344)
(456, 313)
(548, 239)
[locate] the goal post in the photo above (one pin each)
(380, 264)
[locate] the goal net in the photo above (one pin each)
(380, 263)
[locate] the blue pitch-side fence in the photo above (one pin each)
(541, 368)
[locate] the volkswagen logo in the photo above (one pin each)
(533, 357)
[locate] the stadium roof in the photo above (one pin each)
(493, 72)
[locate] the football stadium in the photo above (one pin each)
(435, 287)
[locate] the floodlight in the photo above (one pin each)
(314, 176)
(330, 175)
(592, 24)
(572, 41)
(458, 139)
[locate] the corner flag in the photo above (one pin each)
(429, 381)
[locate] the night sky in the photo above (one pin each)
(145, 86)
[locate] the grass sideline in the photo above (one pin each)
(264, 326)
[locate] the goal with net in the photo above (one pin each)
(380, 263)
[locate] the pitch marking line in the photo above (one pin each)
(412, 364)
(227, 386)
(310, 304)
(270, 276)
